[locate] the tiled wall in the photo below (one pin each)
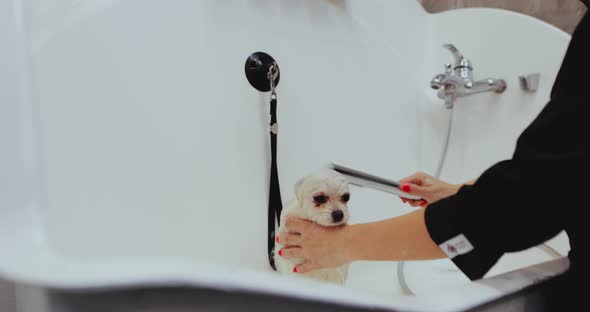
(564, 14)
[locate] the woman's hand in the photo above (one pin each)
(320, 246)
(428, 187)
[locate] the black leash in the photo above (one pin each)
(263, 73)
(275, 204)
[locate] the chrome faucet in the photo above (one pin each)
(457, 80)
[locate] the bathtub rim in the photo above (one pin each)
(81, 277)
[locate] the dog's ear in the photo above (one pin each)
(299, 189)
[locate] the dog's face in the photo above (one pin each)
(324, 196)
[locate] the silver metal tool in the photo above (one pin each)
(363, 179)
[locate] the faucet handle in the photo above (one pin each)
(462, 65)
(460, 60)
(451, 47)
(456, 54)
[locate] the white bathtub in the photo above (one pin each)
(135, 152)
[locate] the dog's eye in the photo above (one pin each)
(320, 199)
(345, 198)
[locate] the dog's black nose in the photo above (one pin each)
(337, 215)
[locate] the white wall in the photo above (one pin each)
(18, 195)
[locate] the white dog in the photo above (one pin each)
(321, 197)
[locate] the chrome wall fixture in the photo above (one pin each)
(530, 82)
(457, 80)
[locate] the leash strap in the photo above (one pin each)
(275, 204)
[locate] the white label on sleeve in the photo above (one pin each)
(456, 246)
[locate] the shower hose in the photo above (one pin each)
(401, 264)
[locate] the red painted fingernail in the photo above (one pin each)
(280, 252)
(295, 270)
(406, 188)
(277, 239)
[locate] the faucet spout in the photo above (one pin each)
(486, 85)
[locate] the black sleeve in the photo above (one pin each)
(480, 223)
